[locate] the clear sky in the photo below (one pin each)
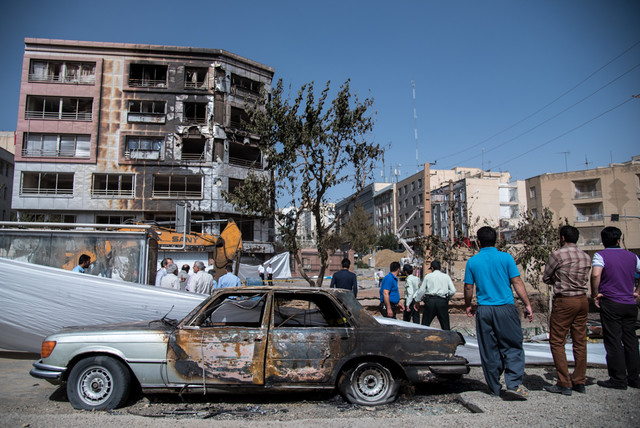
(522, 86)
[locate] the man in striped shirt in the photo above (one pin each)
(568, 272)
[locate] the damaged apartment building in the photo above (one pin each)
(113, 133)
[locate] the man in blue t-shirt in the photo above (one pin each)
(497, 320)
(389, 292)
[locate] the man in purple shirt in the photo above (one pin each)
(612, 287)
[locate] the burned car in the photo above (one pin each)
(250, 338)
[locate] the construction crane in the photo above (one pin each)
(410, 253)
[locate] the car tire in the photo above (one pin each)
(369, 384)
(98, 383)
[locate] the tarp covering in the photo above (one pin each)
(279, 264)
(36, 301)
(534, 353)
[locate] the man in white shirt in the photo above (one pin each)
(228, 279)
(270, 274)
(261, 272)
(436, 289)
(411, 292)
(171, 279)
(201, 282)
(163, 270)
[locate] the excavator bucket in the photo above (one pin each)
(228, 245)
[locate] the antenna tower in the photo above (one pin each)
(415, 122)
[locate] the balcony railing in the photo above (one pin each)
(177, 194)
(43, 153)
(246, 163)
(122, 193)
(591, 194)
(192, 156)
(47, 115)
(589, 218)
(142, 154)
(82, 80)
(150, 83)
(195, 85)
(45, 191)
(146, 117)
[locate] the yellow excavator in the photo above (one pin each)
(225, 248)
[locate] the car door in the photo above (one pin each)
(308, 338)
(224, 344)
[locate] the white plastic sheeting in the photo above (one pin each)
(534, 353)
(36, 301)
(279, 264)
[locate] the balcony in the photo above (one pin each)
(590, 194)
(53, 78)
(592, 218)
(177, 194)
(54, 115)
(245, 163)
(193, 157)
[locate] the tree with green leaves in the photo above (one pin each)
(387, 241)
(310, 146)
(359, 230)
(538, 237)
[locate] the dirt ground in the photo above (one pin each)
(29, 402)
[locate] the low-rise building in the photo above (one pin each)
(592, 199)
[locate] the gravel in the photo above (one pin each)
(28, 402)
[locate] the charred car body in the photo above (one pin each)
(250, 338)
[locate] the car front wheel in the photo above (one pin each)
(369, 384)
(98, 383)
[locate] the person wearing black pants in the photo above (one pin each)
(436, 290)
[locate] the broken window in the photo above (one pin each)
(245, 155)
(177, 186)
(234, 185)
(195, 113)
(57, 145)
(148, 148)
(195, 77)
(114, 219)
(239, 118)
(193, 148)
(244, 84)
(233, 310)
(147, 111)
(113, 185)
(306, 310)
(47, 183)
(62, 71)
(59, 108)
(148, 75)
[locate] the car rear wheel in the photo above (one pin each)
(98, 383)
(369, 384)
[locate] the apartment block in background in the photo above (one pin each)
(591, 199)
(115, 132)
(478, 199)
(7, 149)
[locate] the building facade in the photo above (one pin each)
(460, 208)
(114, 132)
(7, 149)
(591, 199)
(414, 204)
